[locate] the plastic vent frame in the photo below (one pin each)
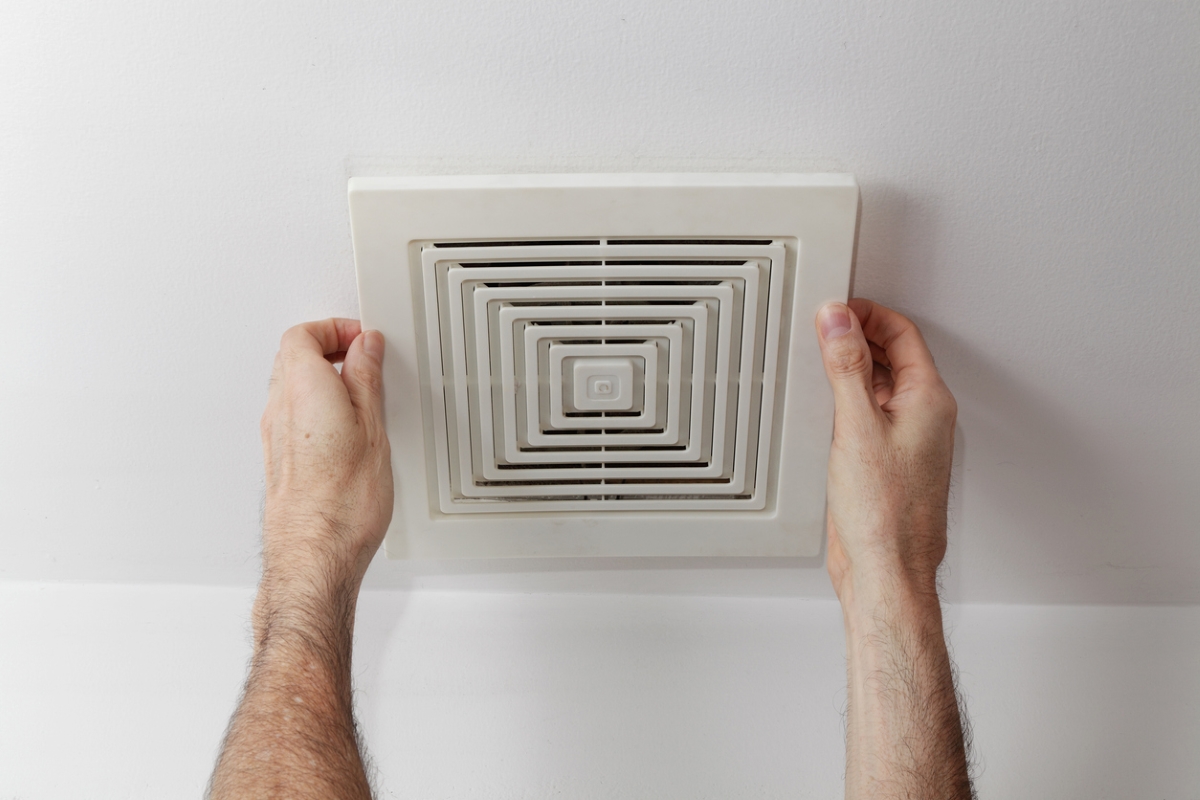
(604, 364)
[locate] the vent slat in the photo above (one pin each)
(630, 363)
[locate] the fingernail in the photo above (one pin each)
(373, 345)
(834, 320)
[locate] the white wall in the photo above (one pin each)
(172, 196)
(124, 692)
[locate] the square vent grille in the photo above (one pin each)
(602, 374)
(604, 364)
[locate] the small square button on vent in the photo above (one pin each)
(604, 364)
(603, 384)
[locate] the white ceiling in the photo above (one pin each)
(172, 196)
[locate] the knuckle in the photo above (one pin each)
(904, 323)
(371, 380)
(290, 356)
(945, 403)
(849, 359)
(289, 336)
(942, 406)
(951, 406)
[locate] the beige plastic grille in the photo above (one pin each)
(606, 374)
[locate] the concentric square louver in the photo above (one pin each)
(604, 364)
(501, 321)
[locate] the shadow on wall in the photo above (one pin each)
(736, 577)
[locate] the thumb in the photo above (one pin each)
(848, 362)
(362, 372)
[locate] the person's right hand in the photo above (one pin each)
(893, 442)
(328, 464)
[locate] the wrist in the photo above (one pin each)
(292, 605)
(888, 594)
(867, 559)
(303, 549)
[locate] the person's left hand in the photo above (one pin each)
(328, 464)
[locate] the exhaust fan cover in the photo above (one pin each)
(604, 364)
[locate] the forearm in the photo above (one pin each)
(293, 734)
(904, 733)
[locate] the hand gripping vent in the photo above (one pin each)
(604, 365)
(602, 375)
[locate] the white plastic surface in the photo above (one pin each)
(602, 384)
(604, 364)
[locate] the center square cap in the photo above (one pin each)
(603, 384)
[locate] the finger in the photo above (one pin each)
(848, 362)
(881, 382)
(324, 337)
(363, 375)
(879, 354)
(907, 354)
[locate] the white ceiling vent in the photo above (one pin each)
(604, 364)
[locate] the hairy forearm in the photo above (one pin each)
(293, 734)
(904, 733)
